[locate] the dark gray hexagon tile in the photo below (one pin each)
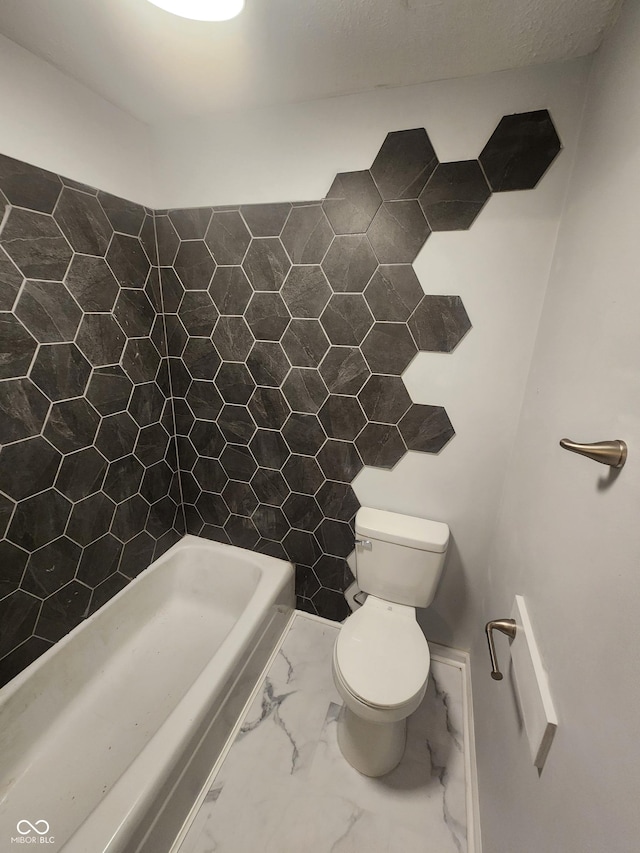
(331, 604)
(28, 186)
(125, 216)
(265, 220)
(380, 445)
(128, 261)
(183, 417)
(268, 363)
(39, 520)
(191, 223)
(187, 453)
(204, 400)
(233, 338)
(194, 265)
(212, 508)
(13, 561)
(18, 614)
(215, 533)
(454, 195)
(155, 482)
(426, 428)
(83, 222)
(136, 555)
(349, 263)
(306, 291)
(90, 519)
(266, 264)
(28, 467)
(301, 547)
(230, 290)
(152, 444)
(140, 360)
(109, 389)
(147, 238)
(336, 538)
(227, 237)
(304, 434)
(305, 390)
(339, 460)
(207, 439)
(520, 150)
(92, 283)
(306, 584)
(269, 449)
(201, 358)
(101, 339)
(337, 501)
(193, 521)
(167, 240)
(270, 522)
(172, 289)
(398, 232)
(210, 475)
(180, 379)
(269, 407)
(71, 425)
(352, 202)
(10, 281)
(23, 409)
(130, 518)
(197, 313)
(235, 383)
(117, 436)
(305, 343)
(99, 560)
(344, 370)
(302, 512)
(439, 323)
(236, 424)
(6, 511)
(307, 234)
(302, 474)
(48, 311)
(123, 478)
(270, 487)
(176, 334)
(147, 403)
(342, 417)
(389, 348)
(60, 371)
(81, 474)
(51, 567)
(239, 498)
(334, 572)
(346, 319)
(393, 292)
(17, 347)
(403, 164)
(384, 399)
(36, 245)
(105, 591)
(267, 316)
(134, 312)
(241, 531)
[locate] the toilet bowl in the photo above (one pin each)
(381, 657)
(380, 669)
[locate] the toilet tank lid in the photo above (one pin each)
(402, 529)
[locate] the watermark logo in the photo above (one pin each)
(33, 833)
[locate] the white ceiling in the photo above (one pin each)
(157, 66)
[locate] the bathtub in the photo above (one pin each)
(109, 736)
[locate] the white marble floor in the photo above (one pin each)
(284, 786)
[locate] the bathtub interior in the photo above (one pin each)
(104, 691)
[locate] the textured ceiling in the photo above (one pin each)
(157, 66)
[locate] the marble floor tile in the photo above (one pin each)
(284, 786)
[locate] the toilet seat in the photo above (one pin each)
(382, 656)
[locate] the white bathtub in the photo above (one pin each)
(110, 735)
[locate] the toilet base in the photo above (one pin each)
(374, 749)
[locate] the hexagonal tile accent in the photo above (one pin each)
(426, 428)
(61, 371)
(28, 467)
(335, 537)
(109, 389)
(201, 358)
(302, 474)
(270, 522)
(230, 290)
(10, 281)
(269, 448)
(209, 474)
(71, 425)
(305, 343)
(206, 436)
(304, 389)
(307, 234)
(134, 312)
(83, 222)
(48, 311)
(268, 363)
(236, 423)
(346, 319)
(267, 316)
(439, 323)
(339, 460)
(270, 486)
(23, 409)
(90, 519)
(39, 520)
(17, 347)
(352, 202)
(233, 338)
(101, 339)
(306, 291)
(28, 186)
(36, 245)
(227, 237)
(302, 512)
(197, 313)
(398, 232)
(520, 150)
(140, 360)
(266, 264)
(265, 220)
(404, 164)
(241, 531)
(128, 261)
(167, 240)
(384, 399)
(81, 474)
(238, 462)
(344, 370)
(269, 407)
(454, 195)
(92, 284)
(51, 567)
(389, 348)
(124, 215)
(380, 445)
(235, 383)
(342, 417)
(338, 501)
(239, 498)
(393, 293)
(191, 223)
(349, 263)
(194, 265)
(204, 400)
(304, 434)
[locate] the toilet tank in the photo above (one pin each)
(404, 560)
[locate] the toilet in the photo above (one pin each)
(381, 657)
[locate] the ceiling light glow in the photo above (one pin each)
(202, 10)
